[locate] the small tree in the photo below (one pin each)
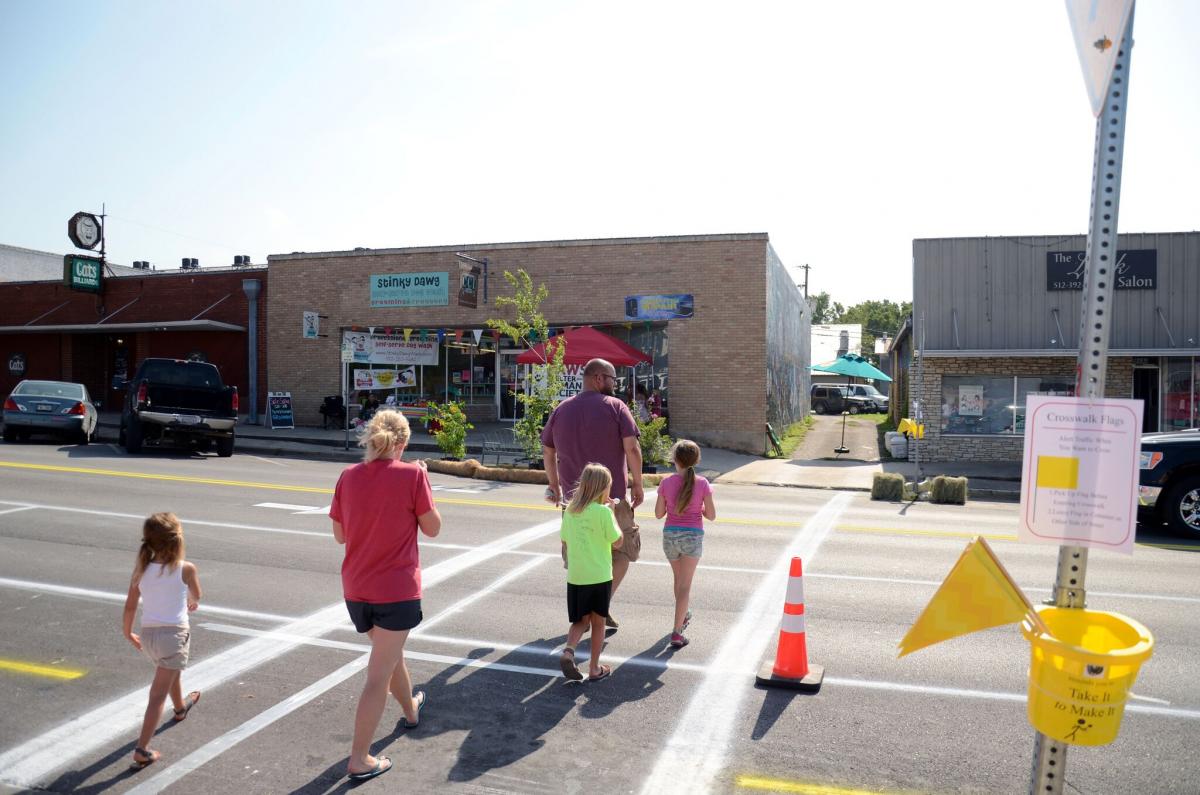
(527, 328)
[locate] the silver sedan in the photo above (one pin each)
(51, 407)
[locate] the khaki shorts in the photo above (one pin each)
(167, 647)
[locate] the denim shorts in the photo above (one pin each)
(678, 543)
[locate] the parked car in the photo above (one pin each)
(1169, 483)
(59, 408)
(835, 398)
(868, 392)
(180, 401)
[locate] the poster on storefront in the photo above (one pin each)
(1079, 477)
(385, 379)
(390, 290)
(970, 401)
(390, 348)
(311, 325)
(572, 378)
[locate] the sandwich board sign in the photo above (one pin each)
(279, 406)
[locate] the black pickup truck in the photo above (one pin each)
(181, 401)
(1169, 484)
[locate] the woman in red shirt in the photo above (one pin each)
(378, 506)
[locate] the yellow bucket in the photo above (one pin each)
(1079, 678)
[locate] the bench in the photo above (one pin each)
(501, 443)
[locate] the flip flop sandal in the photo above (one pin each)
(379, 769)
(193, 698)
(605, 670)
(419, 699)
(151, 758)
(567, 663)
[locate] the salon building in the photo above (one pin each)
(997, 319)
(726, 329)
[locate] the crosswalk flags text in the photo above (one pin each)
(977, 594)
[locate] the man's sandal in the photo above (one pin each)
(193, 698)
(567, 663)
(150, 757)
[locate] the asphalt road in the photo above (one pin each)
(280, 665)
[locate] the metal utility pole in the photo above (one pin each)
(805, 267)
(1050, 755)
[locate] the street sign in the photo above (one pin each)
(1097, 26)
(83, 273)
(1080, 474)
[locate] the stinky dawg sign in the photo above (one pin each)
(1135, 270)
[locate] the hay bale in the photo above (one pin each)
(511, 475)
(462, 469)
(948, 490)
(887, 486)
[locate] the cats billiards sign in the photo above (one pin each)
(83, 273)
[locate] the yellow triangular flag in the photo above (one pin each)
(407, 334)
(977, 594)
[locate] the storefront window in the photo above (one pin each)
(652, 378)
(1180, 396)
(1040, 385)
(993, 405)
(472, 372)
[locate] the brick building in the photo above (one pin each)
(739, 361)
(997, 319)
(50, 331)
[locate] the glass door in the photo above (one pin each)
(512, 378)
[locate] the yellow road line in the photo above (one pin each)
(442, 500)
(40, 670)
(854, 528)
(802, 787)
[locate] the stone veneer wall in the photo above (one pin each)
(936, 447)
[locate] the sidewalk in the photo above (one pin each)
(988, 481)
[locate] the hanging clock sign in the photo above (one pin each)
(84, 230)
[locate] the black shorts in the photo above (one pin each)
(395, 616)
(584, 599)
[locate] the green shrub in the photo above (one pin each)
(887, 486)
(451, 436)
(948, 490)
(655, 444)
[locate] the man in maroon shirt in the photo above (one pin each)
(594, 427)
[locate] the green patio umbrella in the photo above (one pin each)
(851, 365)
(854, 366)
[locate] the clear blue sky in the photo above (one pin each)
(844, 130)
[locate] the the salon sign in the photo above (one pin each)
(390, 290)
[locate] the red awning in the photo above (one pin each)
(583, 345)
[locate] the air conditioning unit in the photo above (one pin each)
(189, 263)
(241, 260)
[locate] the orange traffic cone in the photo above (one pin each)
(791, 668)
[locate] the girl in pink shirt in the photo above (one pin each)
(685, 499)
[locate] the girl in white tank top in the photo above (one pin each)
(169, 588)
